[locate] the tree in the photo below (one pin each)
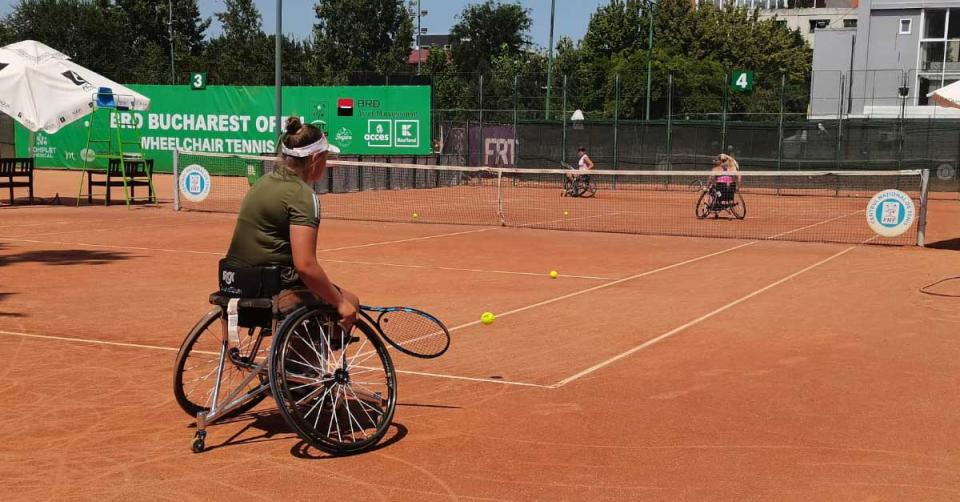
(88, 35)
(698, 46)
(487, 31)
(242, 54)
(147, 34)
(353, 36)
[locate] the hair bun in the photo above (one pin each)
(294, 125)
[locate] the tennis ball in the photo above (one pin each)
(415, 215)
(553, 274)
(565, 213)
(487, 318)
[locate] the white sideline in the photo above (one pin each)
(696, 321)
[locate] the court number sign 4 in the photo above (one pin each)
(741, 81)
(198, 81)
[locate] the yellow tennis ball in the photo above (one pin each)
(415, 215)
(487, 318)
(565, 213)
(553, 274)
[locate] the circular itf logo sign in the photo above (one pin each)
(195, 183)
(890, 213)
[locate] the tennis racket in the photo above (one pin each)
(411, 331)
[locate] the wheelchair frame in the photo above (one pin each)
(580, 185)
(713, 203)
(240, 399)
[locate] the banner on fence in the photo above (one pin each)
(361, 120)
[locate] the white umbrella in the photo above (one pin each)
(42, 89)
(948, 96)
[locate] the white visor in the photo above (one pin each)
(319, 146)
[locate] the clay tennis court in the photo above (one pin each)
(654, 367)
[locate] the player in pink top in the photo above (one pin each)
(724, 169)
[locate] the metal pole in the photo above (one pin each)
(839, 118)
(419, 51)
(616, 119)
(924, 199)
(483, 146)
(783, 84)
(173, 73)
(516, 111)
(903, 106)
(278, 70)
(563, 144)
(553, 8)
(669, 119)
(649, 55)
(723, 116)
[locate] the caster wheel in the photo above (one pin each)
(199, 442)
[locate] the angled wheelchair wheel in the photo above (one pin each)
(338, 390)
(570, 187)
(195, 372)
(738, 208)
(705, 205)
(586, 187)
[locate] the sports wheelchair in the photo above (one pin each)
(335, 388)
(577, 185)
(721, 197)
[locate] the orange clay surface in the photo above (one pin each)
(657, 368)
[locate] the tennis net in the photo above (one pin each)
(815, 206)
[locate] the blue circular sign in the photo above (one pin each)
(194, 183)
(890, 213)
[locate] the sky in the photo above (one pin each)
(571, 20)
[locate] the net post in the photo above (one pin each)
(922, 220)
(503, 221)
(389, 174)
(176, 180)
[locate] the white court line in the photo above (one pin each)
(425, 267)
(91, 341)
(475, 379)
(211, 253)
(567, 218)
(696, 321)
(412, 239)
(109, 246)
(457, 269)
(608, 284)
(172, 349)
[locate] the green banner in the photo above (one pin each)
(363, 120)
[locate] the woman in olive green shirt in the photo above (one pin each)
(278, 222)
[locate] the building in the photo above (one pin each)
(900, 51)
(427, 42)
(806, 16)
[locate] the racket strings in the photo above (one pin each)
(414, 332)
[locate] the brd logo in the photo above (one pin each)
(890, 213)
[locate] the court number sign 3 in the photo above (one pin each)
(741, 81)
(198, 81)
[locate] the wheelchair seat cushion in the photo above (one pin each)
(248, 282)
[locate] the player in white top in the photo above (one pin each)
(584, 163)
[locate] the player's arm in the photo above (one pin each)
(303, 243)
